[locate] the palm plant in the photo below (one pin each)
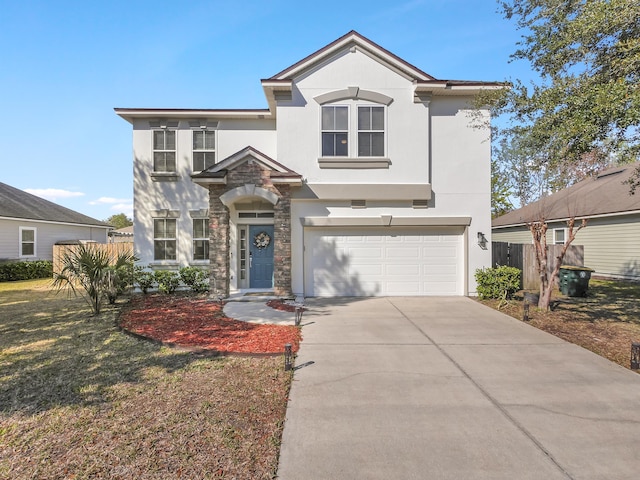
(91, 271)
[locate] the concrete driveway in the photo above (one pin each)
(445, 388)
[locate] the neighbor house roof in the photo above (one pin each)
(605, 194)
(16, 203)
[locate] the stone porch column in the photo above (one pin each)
(282, 245)
(218, 243)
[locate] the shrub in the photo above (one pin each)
(500, 282)
(91, 271)
(168, 281)
(118, 280)
(143, 278)
(12, 271)
(195, 278)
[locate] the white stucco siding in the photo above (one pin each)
(47, 234)
(299, 134)
(182, 196)
(461, 173)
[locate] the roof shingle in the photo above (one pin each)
(15, 203)
(605, 194)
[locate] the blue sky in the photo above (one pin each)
(67, 64)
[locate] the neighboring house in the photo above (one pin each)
(364, 176)
(121, 235)
(611, 239)
(30, 226)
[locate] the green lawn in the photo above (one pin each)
(80, 399)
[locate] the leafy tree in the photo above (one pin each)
(586, 106)
(119, 220)
(93, 272)
(500, 191)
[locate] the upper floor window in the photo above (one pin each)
(339, 129)
(335, 131)
(164, 239)
(164, 150)
(370, 131)
(204, 149)
(201, 239)
(27, 242)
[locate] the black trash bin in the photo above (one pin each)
(574, 281)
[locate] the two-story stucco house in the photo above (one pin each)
(364, 176)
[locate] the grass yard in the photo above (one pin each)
(80, 399)
(606, 322)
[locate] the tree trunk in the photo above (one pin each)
(539, 233)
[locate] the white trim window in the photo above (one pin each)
(164, 238)
(164, 151)
(27, 242)
(204, 149)
(370, 131)
(201, 239)
(559, 236)
(335, 131)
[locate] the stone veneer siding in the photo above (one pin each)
(218, 242)
(219, 233)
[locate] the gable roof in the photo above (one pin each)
(604, 194)
(217, 173)
(424, 84)
(15, 203)
(350, 40)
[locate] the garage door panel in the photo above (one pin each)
(405, 252)
(370, 269)
(365, 252)
(409, 269)
(346, 262)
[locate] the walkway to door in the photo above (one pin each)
(446, 388)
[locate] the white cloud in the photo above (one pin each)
(126, 208)
(109, 201)
(53, 194)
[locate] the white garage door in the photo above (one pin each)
(387, 261)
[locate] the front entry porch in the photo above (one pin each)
(246, 254)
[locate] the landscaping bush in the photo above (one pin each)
(143, 278)
(168, 281)
(195, 278)
(12, 271)
(500, 282)
(92, 272)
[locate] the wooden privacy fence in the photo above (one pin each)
(523, 257)
(113, 249)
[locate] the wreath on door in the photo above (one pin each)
(262, 240)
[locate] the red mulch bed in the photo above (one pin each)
(282, 306)
(195, 322)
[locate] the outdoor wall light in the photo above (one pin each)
(482, 240)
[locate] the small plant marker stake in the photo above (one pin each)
(525, 316)
(288, 357)
(635, 356)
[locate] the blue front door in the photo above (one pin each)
(260, 256)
